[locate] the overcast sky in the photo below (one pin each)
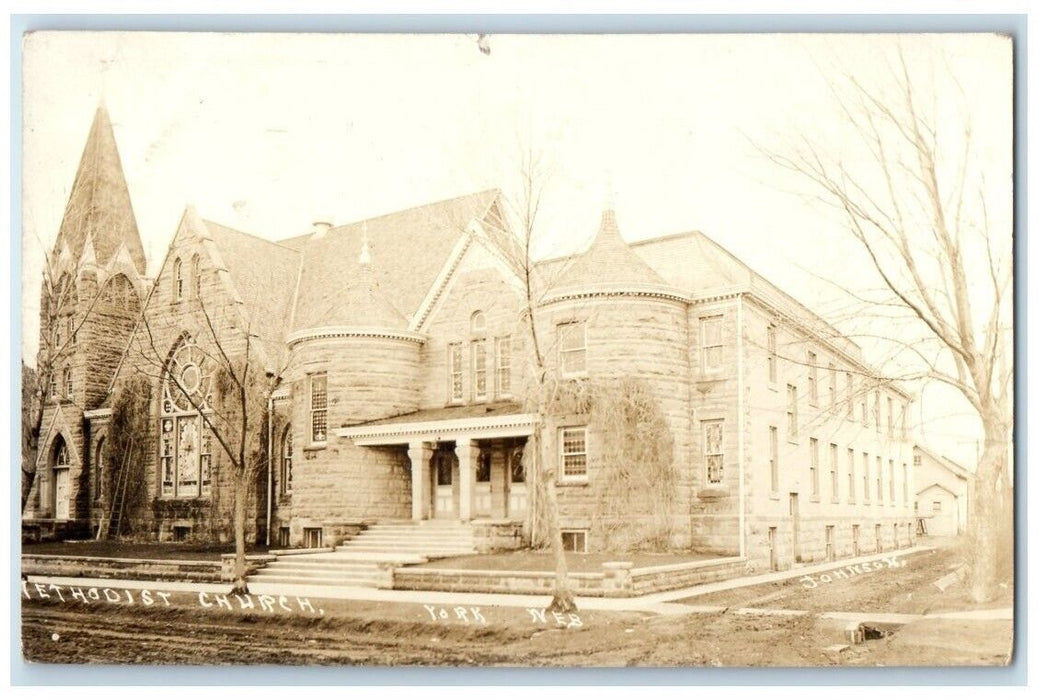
(268, 133)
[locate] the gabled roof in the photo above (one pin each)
(409, 248)
(99, 208)
(954, 467)
(264, 276)
(692, 261)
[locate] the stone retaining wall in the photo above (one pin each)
(133, 569)
(616, 580)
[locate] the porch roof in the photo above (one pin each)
(477, 421)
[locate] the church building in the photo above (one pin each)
(393, 364)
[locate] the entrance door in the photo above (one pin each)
(484, 500)
(443, 495)
(516, 483)
(61, 510)
(794, 512)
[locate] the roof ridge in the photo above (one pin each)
(418, 207)
(249, 235)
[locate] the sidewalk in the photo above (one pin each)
(657, 603)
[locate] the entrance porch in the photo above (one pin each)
(466, 462)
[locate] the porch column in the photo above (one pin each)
(467, 452)
(420, 454)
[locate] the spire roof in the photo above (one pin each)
(99, 206)
(365, 304)
(610, 261)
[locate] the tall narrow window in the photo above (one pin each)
(904, 420)
(572, 338)
(772, 354)
(850, 475)
(890, 479)
(834, 472)
(713, 450)
(455, 371)
(850, 394)
(812, 378)
(774, 462)
(71, 328)
(904, 483)
(503, 351)
(205, 460)
(479, 370)
(286, 460)
(196, 276)
(832, 386)
(711, 342)
(791, 413)
(865, 477)
(99, 470)
(876, 410)
(890, 416)
(178, 280)
(53, 384)
(573, 449)
(865, 409)
(68, 382)
(814, 468)
(879, 479)
(319, 407)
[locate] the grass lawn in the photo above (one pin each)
(137, 550)
(527, 560)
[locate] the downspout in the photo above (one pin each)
(270, 461)
(739, 428)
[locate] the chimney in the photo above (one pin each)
(321, 226)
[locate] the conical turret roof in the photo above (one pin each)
(99, 206)
(609, 262)
(365, 305)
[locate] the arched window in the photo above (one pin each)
(99, 469)
(286, 460)
(196, 276)
(185, 442)
(478, 324)
(178, 280)
(59, 497)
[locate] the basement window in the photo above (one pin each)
(574, 541)
(181, 533)
(313, 537)
(284, 537)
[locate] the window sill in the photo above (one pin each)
(572, 482)
(815, 499)
(775, 497)
(315, 447)
(772, 386)
(711, 493)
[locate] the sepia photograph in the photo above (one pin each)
(517, 350)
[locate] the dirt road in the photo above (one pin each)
(112, 626)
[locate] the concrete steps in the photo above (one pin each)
(356, 563)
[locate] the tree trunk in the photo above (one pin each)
(562, 597)
(987, 522)
(240, 497)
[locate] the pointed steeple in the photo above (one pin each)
(99, 205)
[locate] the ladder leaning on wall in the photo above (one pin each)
(112, 519)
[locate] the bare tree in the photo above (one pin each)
(232, 405)
(65, 307)
(544, 385)
(916, 204)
